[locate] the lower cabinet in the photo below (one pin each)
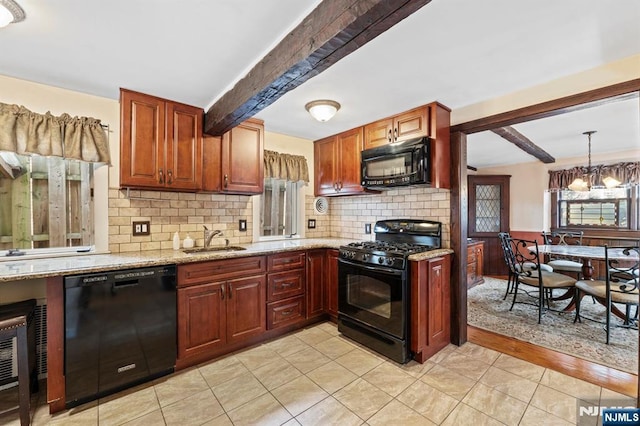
(286, 289)
(331, 284)
(430, 306)
(475, 259)
(315, 283)
(220, 303)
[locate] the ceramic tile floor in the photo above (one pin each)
(317, 377)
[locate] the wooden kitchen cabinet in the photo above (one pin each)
(286, 283)
(337, 164)
(408, 125)
(233, 163)
(432, 120)
(475, 258)
(221, 303)
(160, 143)
(316, 270)
(331, 284)
(430, 306)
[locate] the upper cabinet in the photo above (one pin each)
(431, 120)
(337, 164)
(411, 124)
(160, 143)
(233, 163)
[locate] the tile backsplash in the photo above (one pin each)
(169, 212)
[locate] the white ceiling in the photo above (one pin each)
(458, 52)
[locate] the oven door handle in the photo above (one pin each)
(380, 269)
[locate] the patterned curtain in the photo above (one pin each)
(26, 132)
(285, 166)
(627, 173)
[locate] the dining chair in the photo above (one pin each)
(529, 271)
(619, 287)
(564, 263)
(504, 244)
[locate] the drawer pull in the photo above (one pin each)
(287, 312)
(286, 285)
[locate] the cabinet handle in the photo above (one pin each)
(170, 177)
(286, 313)
(340, 187)
(389, 135)
(230, 291)
(285, 285)
(395, 134)
(226, 180)
(222, 292)
(161, 176)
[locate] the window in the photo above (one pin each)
(279, 208)
(599, 208)
(46, 203)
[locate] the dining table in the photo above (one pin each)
(586, 254)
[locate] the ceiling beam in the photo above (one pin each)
(333, 30)
(524, 143)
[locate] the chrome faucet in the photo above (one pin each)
(210, 233)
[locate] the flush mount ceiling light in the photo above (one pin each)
(584, 183)
(10, 12)
(323, 109)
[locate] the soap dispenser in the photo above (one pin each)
(188, 242)
(176, 241)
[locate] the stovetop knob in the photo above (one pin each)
(381, 260)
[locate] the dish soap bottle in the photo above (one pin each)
(176, 241)
(188, 242)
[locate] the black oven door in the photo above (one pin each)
(376, 296)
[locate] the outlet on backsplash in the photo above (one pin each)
(141, 228)
(242, 225)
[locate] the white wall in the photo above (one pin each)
(40, 98)
(528, 201)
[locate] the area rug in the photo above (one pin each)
(585, 340)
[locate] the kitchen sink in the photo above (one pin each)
(212, 249)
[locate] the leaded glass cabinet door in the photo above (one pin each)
(489, 215)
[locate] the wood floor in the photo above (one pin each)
(607, 377)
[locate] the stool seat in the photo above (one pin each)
(15, 319)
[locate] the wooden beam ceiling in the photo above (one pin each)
(330, 32)
(524, 143)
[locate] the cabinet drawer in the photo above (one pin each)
(215, 270)
(286, 261)
(281, 285)
(471, 256)
(285, 312)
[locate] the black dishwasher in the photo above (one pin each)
(120, 330)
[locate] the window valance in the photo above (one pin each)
(26, 132)
(285, 166)
(627, 173)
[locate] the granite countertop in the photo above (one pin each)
(24, 268)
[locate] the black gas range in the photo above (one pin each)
(373, 284)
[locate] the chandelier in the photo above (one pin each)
(585, 182)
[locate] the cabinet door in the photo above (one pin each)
(378, 133)
(201, 319)
(349, 149)
(325, 160)
(331, 283)
(439, 303)
(246, 308)
(142, 140)
(184, 147)
(315, 283)
(242, 159)
(411, 124)
(211, 163)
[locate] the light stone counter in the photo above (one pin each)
(23, 268)
(430, 254)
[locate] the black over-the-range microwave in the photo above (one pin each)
(397, 164)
